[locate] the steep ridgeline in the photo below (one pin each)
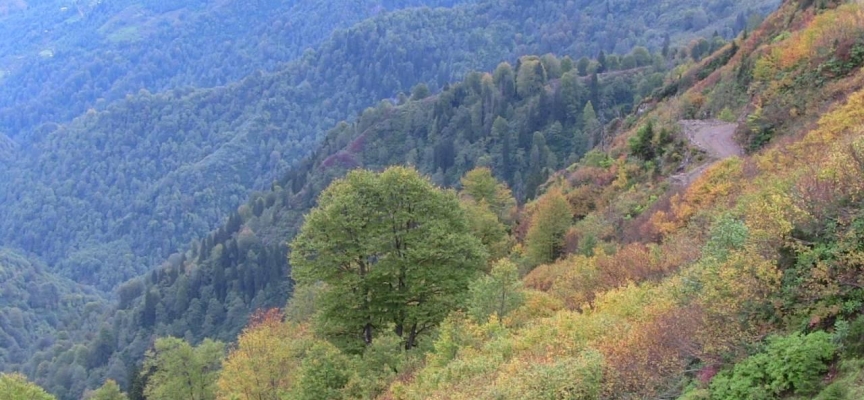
(114, 192)
(62, 59)
(523, 121)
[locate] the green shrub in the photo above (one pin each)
(789, 364)
(726, 115)
(640, 143)
(834, 391)
(851, 337)
(848, 385)
(696, 394)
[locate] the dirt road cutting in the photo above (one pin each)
(714, 137)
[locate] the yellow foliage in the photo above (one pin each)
(837, 25)
(537, 305)
(771, 214)
(264, 361)
(731, 291)
(642, 361)
(576, 286)
(642, 332)
(718, 181)
(636, 302)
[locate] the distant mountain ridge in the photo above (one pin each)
(62, 59)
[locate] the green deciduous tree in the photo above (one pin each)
(497, 293)
(180, 371)
(109, 391)
(582, 66)
(394, 251)
(549, 224)
(592, 126)
(16, 387)
(530, 77)
(486, 227)
(301, 306)
(420, 92)
(481, 186)
(505, 79)
(323, 375)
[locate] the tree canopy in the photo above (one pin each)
(16, 387)
(394, 251)
(179, 370)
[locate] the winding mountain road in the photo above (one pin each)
(712, 136)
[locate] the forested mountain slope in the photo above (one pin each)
(744, 284)
(66, 57)
(615, 282)
(118, 190)
(491, 119)
(63, 57)
(39, 311)
(150, 172)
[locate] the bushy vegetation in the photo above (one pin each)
(791, 364)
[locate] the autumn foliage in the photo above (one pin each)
(263, 363)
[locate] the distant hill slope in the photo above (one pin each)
(41, 313)
(62, 58)
(746, 282)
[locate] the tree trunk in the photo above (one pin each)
(367, 333)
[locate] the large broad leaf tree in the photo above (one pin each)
(394, 252)
(179, 370)
(16, 387)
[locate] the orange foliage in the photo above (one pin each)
(632, 263)
(717, 182)
(815, 41)
(643, 361)
(583, 200)
(591, 176)
(680, 249)
(542, 277)
(642, 229)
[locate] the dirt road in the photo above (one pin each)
(715, 138)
